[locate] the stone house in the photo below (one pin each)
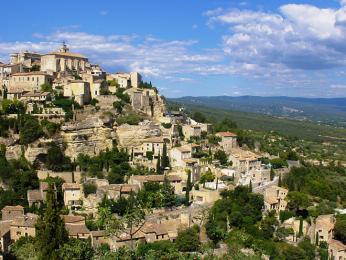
(336, 250)
(274, 199)
(191, 131)
(202, 195)
(115, 191)
(79, 90)
(12, 212)
(38, 196)
(36, 97)
(23, 226)
(294, 224)
(139, 180)
(323, 230)
(244, 161)
(75, 226)
(73, 195)
(5, 235)
(228, 141)
(154, 145)
(29, 81)
(178, 155)
(63, 61)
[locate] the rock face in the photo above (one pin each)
(90, 136)
(133, 135)
(33, 152)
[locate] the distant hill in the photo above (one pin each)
(331, 111)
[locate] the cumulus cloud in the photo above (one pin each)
(299, 36)
(149, 55)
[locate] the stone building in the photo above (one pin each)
(63, 61)
(29, 81)
(228, 140)
(336, 250)
(12, 212)
(5, 235)
(244, 161)
(79, 90)
(23, 226)
(191, 131)
(324, 227)
(126, 80)
(72, 195)
(26, 58)
(274, 199)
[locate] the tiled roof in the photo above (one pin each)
(226, 134)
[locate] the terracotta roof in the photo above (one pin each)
(69, 219)
(154, 140)
(71, 186)
(75, 229)
(36, 94)
(129, 188)
(325, 221)
(98, 233)
(28, 220)
(158, 229)
(5, 227)
(338, 245)
(34, 195)
(184, 149)
(10, 208)
(244, 155)
(226, 134)
(67, 54)
(30, 73)
(156, 178)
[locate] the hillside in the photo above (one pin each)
(246, 120)
(331, 111)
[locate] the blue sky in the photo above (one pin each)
(195, 47)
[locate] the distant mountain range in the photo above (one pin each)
(331, 111)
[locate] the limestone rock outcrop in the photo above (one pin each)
(90, 136)
(133, 135)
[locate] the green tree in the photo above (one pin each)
(199, 117)
(207, 177)
(221, 156)
(169, 197)
(164, 157)
(188, 187)
(76, 249)
(158, 165)
(188, 240)
(46, 87)
(51, 233)
(30, 131)
(340, 228)
(297, 200)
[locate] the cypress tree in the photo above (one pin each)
(51, 232)
(280, 181)
(164, 159)
(250, 186)
(188, 188)
(158, 165)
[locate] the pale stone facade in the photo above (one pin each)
(244, 161)
(29, 81)
(191, 131)
(228, 141)
(274, 199)
(72, 195)
(79, 90)
(63, 61)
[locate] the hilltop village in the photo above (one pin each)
(97, 161)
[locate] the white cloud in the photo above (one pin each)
(149, 55)
(299, 37)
